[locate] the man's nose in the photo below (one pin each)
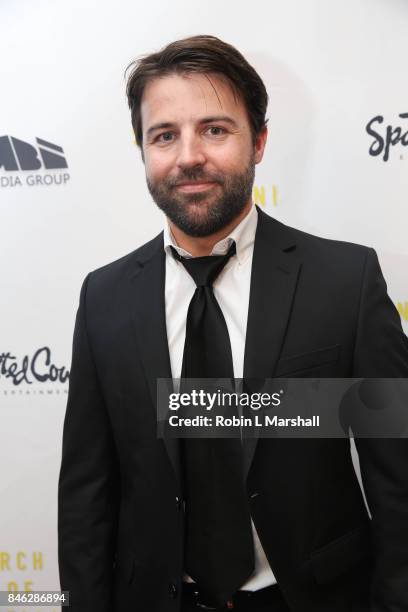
(191, 152)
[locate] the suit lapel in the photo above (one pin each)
(275, 271)
(149, 317)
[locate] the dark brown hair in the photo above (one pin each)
(204, 55)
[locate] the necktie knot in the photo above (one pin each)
(204, 270)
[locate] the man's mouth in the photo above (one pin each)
(189, 186)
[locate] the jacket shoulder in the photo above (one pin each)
(333, 252)
(326, 250)
(106, 277)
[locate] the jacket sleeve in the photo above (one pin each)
(88, 491)
(381, 351)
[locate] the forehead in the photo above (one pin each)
(190, 97)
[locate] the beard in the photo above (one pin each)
(204, 213)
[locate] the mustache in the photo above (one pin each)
(195, 175)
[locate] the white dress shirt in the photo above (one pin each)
(231, 289)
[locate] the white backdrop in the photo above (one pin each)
(330, 69)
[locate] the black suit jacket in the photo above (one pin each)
(317, 308)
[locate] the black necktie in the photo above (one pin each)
(219, 551)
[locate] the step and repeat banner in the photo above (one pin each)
(73, 194)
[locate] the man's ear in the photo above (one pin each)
(260, 143)
(142, 153)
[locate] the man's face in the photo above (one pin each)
(198, 151)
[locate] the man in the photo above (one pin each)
(291, 523)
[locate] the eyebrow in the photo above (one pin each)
(204, 121)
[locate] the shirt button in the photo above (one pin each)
(173, 591)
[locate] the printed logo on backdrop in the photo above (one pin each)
(16, 568)
(265, 194)
(19, 571)
(388, 139)
(23, 164)
(35, 373)
(402, 308)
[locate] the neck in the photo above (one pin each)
(202, 246)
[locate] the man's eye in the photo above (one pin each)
(216, 131)
(165, 137)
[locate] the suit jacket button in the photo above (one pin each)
(173, 591)
(179, 503)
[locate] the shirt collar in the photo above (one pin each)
(243, 235)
